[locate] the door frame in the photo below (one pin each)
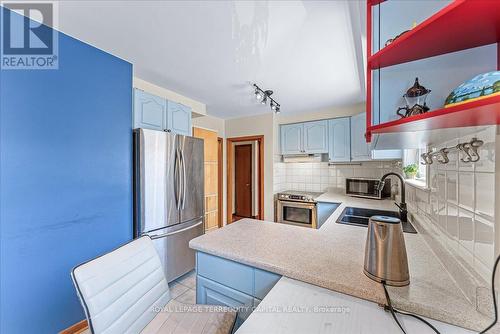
(249, 149)
(229, 174)
(220, 176)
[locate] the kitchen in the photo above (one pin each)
(305, 166)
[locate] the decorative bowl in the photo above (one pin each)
(480, 87)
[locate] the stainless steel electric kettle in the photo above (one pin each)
(385, 252)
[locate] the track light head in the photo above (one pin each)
(258, 94)
(264, 95)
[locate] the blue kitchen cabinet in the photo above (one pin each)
(316, 137)
(229, 283)
(360, 149)
(339, 147)
(209, 292)
(179, 118)
(291, 138)
(229, 273)
(150, 111)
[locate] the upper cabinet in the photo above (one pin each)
(156, 113)
(150, 111)
(304, 138)
(360, 150)
(316, 137)
(179, 118)
(291, 138)
(342, 138)
(339, 140)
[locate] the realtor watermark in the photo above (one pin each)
(27, 38)
(197, 308)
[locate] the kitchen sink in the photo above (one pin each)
(360, 217)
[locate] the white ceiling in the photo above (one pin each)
(308, 52)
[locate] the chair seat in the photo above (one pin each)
(179, 318)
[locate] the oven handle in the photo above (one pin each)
(298, 204)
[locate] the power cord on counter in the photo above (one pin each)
(394, 311)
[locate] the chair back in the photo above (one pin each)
(122, 291)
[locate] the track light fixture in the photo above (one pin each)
(264, 95)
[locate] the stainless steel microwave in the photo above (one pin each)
(367, 188)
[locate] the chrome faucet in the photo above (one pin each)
(403, 212)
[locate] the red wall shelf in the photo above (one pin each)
(480, 112)
(463, 24)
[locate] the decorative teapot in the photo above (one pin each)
(415, 97)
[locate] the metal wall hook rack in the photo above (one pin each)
(468, 152)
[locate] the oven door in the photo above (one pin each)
(297, 213)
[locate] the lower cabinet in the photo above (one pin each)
(228, 283)
(212, 293)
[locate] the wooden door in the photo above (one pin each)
(243, 180)
(211, 177)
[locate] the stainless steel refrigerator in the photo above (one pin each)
(169, 193)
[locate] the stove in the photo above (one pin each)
(299, 196)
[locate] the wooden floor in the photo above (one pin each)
(182, 290)
(236, 217)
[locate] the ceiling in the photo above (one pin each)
(308, 52)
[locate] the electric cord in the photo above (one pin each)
(391, 309)
(495, 307)
(394, 311)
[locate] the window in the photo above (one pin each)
(412, 156)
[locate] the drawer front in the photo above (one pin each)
(209, 292)
(264, 282)
(229, 273)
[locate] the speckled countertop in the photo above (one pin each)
(332, 257)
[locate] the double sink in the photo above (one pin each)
(361, 216)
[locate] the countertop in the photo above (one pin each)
(296, 307)
(332, 257)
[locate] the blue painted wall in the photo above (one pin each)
(65, 181)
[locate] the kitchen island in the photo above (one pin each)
(332, 257)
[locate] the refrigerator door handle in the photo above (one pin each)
(177, 179)
(176, 232)
(183, 179)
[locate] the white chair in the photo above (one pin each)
(125, 291)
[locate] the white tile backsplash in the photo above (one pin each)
(314, 176)
(461, 203)
(485, 187)
(466, 230)
(484, 238)
(452, 187)
(466, 190)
